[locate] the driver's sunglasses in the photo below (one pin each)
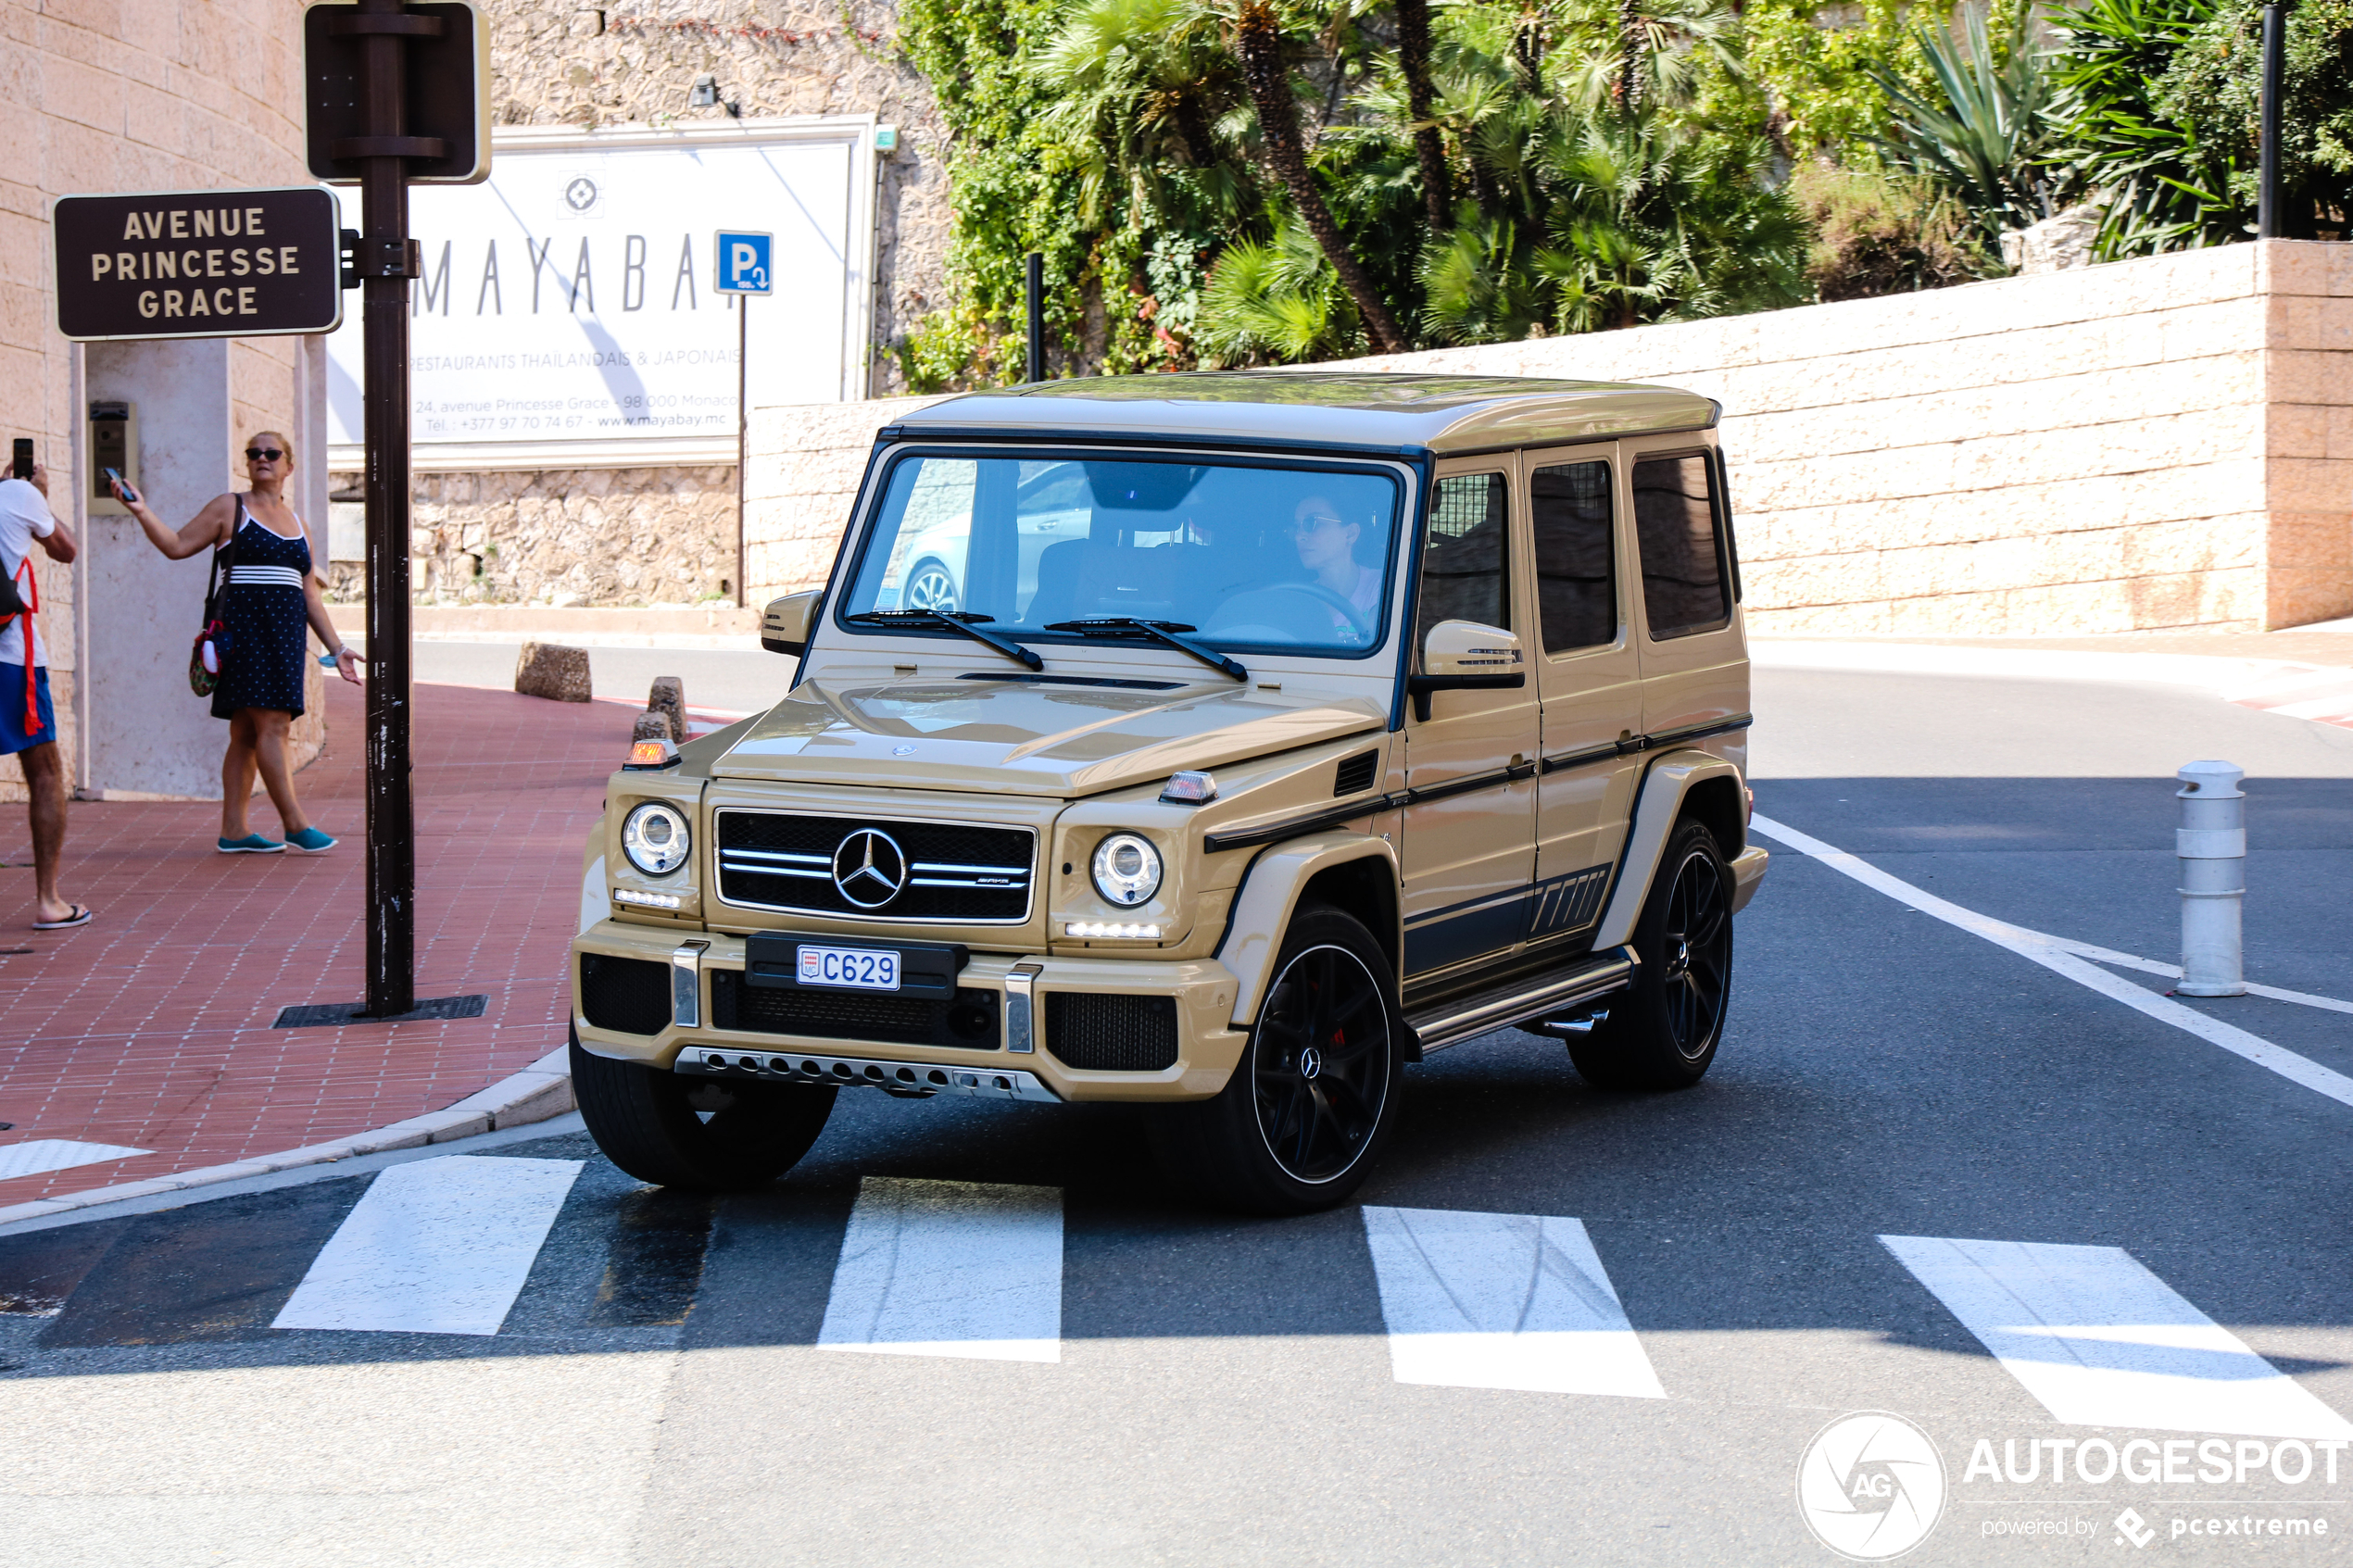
(1315, 525)
(264, 454)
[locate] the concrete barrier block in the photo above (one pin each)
(550, 670)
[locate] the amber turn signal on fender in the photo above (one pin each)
(650, 754)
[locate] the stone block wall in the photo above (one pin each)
(2165, 442)
(565, 536)
(2152, 443)
(806, 462)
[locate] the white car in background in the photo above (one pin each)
(1051, 506)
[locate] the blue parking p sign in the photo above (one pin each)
(743, 263)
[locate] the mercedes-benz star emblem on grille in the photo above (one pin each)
(870, 868)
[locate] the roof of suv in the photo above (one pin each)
(1436, 413)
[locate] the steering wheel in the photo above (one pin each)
(1240, 606)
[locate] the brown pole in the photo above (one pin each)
(383, 259)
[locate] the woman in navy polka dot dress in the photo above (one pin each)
(273, 597)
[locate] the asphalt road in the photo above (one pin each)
(668, 1385)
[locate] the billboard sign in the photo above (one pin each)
(566, 314)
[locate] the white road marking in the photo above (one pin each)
(440, 1246)
(1477, 1301)
(2058, 957)
(950, 1269)
(2103, 1342)
(35, 1156)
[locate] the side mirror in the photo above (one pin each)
(784, 626)
(1463, 656)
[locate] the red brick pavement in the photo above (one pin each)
(151, 1027)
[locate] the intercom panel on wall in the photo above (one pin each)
(114, 444)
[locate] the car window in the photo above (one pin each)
(1463, 575)
(1276, 557)
(1675, 523)
(1576, 566)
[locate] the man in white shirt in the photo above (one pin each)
(28, 724)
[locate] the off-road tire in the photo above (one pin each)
(1663, 1033)
(1312, 1100)
(646, 1122)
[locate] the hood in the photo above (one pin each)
(1011, 737)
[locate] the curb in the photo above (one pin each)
(538, 1093)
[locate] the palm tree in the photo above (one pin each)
(1259, 40)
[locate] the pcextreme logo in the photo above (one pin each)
(1870, 1486)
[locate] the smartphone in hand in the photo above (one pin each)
(21, 466)
(121, 487)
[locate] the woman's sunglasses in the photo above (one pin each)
(264, 454)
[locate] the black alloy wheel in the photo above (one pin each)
(1298, 1125)
(1316, 1071)
(1663, 1033)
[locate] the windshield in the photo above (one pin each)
(1281, 558)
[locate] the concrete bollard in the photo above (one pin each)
(669, 695)
(2211, 843)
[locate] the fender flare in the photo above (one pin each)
(1664, 785)
(1262, 905)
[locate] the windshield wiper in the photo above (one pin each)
(1157, 631)
(960, 620)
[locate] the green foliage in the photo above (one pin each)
(1982, 127)
(1878, 233)
(1821, 83)
(2160, 115)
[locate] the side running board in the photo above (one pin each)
(1457, 1018)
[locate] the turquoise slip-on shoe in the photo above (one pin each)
(310, 841)
(252, 843)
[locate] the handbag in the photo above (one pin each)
(210, 651)
(13, 605)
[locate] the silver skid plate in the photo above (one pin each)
(915, 1078)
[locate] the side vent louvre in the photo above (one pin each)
(1355, 775)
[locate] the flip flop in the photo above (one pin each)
(81, 916)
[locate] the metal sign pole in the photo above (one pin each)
(743, 438)
(383, 257)
(2268, 195)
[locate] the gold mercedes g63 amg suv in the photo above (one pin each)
(1223, 742)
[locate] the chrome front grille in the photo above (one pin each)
(942, 872)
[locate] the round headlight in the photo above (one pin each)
(655, 838)
(1127, 870)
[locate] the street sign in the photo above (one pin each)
(744, 262)
(197, 264)
(445, 96)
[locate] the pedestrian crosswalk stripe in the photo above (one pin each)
(37, 1156)
(1477, 1301)
(2101, 1341)
(440, 1246)
(950, 1269)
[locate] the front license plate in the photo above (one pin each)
(852, 969)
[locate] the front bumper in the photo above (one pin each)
(1203, 990)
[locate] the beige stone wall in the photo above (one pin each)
(634, 63)
(2151, 444)
(126, 95)
(2161, 443)
(566, 536)
(806, 462)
